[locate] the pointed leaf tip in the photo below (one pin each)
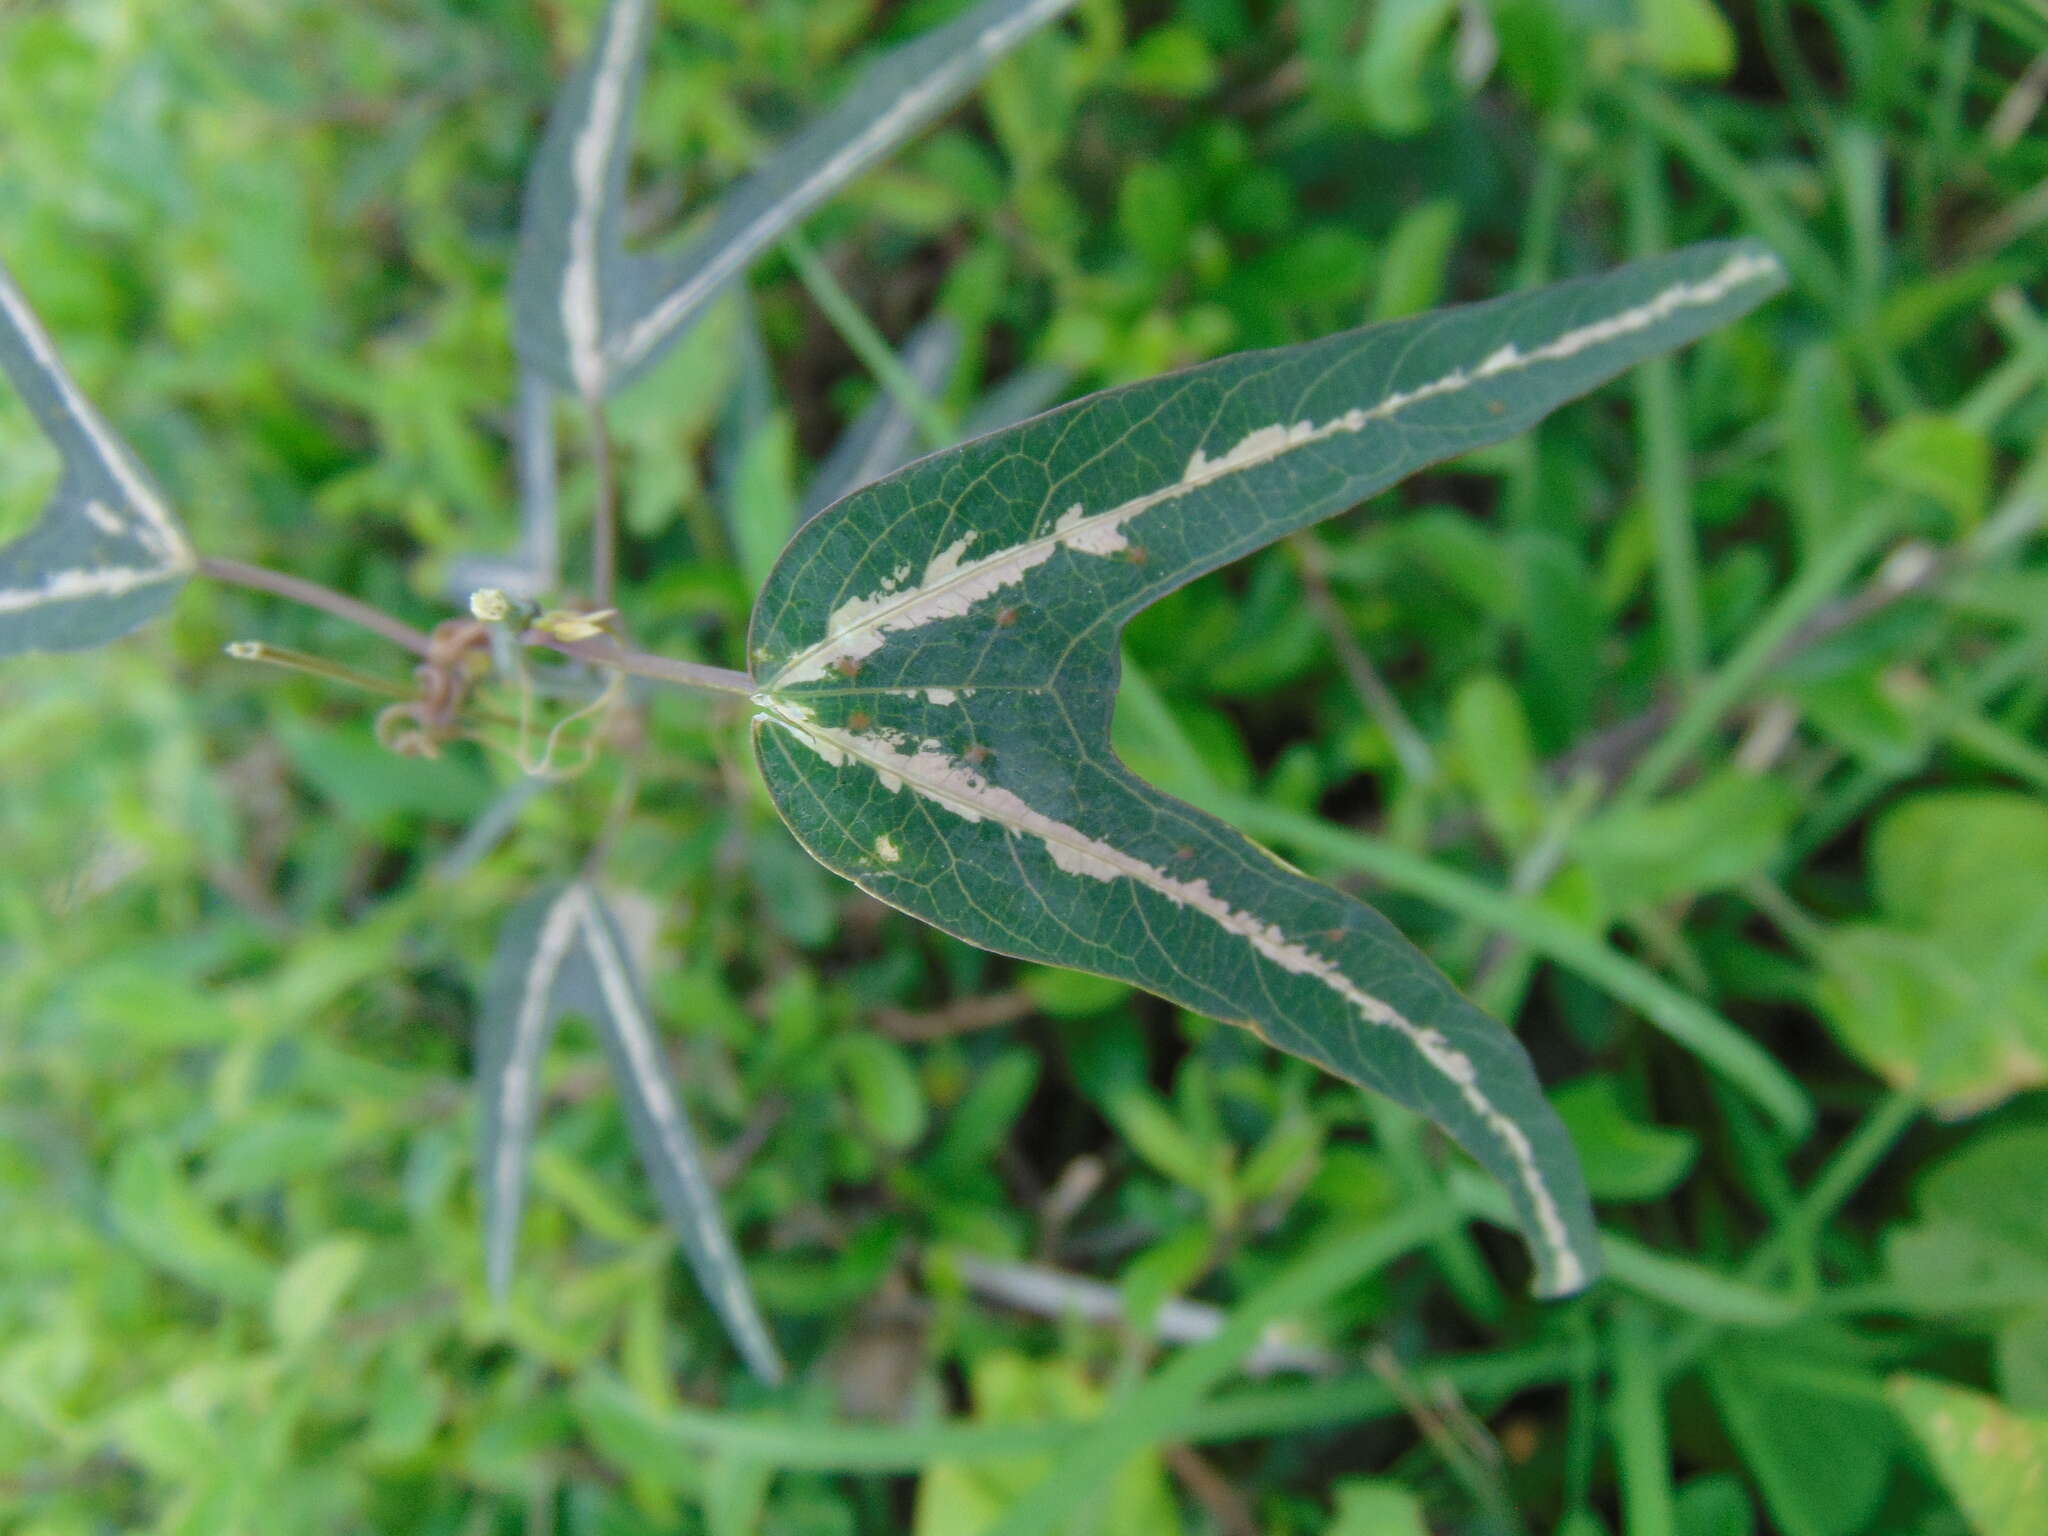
(560, 953)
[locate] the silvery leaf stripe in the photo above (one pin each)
(936, 660)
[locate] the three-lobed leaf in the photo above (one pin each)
(107, 555)
(591, 315)
(936, 662)
(561, 953)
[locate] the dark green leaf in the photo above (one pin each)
(561, 953)
(937, 661)
(1820, 1442)
(107, 555)
(1624, 1158)
(591, 315)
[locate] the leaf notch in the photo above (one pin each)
(107, 555)
(592, 316)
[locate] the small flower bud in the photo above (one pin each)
(575, 626)
(491, 604)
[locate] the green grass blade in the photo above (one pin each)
(1249, 1413)
(1712, 1038)
(1820, 579)
(1147, 1416)
(883, 438)
(909, 394)
(1667, 479)
(1642, 1440)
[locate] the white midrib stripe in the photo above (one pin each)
(161, 532)
(871, 142)
(650, 1075)
(515, 1088)
(590, 160)
(70, 586)
(956, 787)
(1097, 533)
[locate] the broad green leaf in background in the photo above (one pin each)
(968, 1499)
(561, 953)
(591, 315)
(1992, 1460)
(1818, 1438)
(107, 554)
(1493, 754)
(1686, 37)
(1393, 71)
(1945, 993)
(1981, 1240)
(1942, 458)
(1624, 1158)
(2022, 1356)
(1371, 1507)
(312, 1287)
(936, 660)
(763, 496)
(1714, 1505)
(152, 1205)
(1706, 837)
(1416, 260)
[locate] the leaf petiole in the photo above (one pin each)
(659, 669)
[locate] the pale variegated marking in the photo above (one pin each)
(514, 1089)
(153, 526)
(590, 164)
(859, 151)
(574, 917)
(928, 770)
(650, 1085)
(953, 582)
(70, 586)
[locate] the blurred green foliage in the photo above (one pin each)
(1741, 668)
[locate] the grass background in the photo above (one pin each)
(1725, 690)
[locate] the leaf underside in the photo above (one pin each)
(560, 953)
(592, 316)
(936, 661)
(106, 555)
